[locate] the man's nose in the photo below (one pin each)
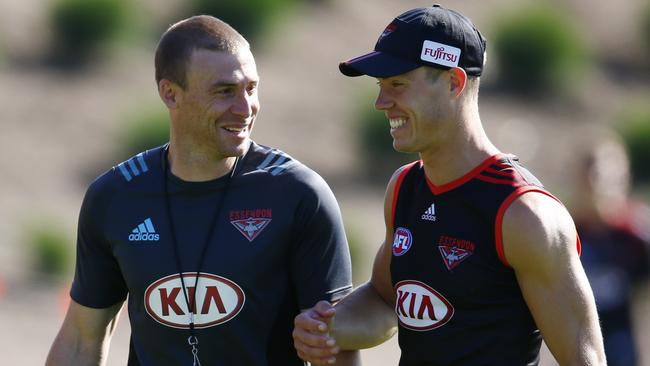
(244, 104)
(383, 102)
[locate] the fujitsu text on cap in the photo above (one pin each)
(433, 36)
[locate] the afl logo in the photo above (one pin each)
(421, 308)
(402, 241)
(216, 300)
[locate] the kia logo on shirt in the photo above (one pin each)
(421, 308)
(217, 300)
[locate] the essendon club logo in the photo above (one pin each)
(388, 30)
(250, 223)
(454, 250)
(216, 300)
(419, 307)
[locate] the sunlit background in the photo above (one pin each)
(77, 96)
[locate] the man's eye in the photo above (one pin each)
(224, 91)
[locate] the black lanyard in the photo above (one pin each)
(192, 340)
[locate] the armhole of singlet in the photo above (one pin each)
(398, 185)
(501, 212)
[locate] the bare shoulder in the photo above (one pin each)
(393, 184)
(537, 229)
(541, 245)
(398, 174)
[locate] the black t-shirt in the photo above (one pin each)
(278, 246)
(458, 302)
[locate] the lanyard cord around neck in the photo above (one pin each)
(192, 340)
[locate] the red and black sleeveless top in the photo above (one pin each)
(457, 299)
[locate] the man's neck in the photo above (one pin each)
(458, 154)
(194, 165)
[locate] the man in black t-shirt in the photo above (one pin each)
(216, 241)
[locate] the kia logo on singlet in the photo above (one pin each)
(217, 300)
(421, 308)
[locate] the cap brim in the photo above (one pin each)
(376, 64)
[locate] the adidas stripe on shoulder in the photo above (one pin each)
(275, 162)
(133, 167)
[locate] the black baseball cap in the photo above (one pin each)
(433, 36)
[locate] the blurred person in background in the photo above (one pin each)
(615, 234)
(217, 241)
(479, 261)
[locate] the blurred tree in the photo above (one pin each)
(636, 134)
(2, 49)
(537, 52)
(356, 253)
(252, 18)
(50, 249)
(81, 26)
(146, 129)
(645, 30)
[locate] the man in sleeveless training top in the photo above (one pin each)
(479, 261)
(217, 241)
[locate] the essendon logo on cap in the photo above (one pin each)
(389, 29)
(440, 54)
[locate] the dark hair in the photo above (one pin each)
(181, 39)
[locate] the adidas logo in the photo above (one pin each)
(144, 232)
(430, 213)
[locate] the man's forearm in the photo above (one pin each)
(65, 352)
(348, 358)
(363, 320)
(84, 337)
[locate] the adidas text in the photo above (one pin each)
(144, 232)
(144, 237)
(428, 217)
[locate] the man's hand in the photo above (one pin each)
(311, 334)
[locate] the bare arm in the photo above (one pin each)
(539, 240)
(84, 337)
(363, 319)
(366, 318)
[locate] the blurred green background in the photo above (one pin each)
(78, 96)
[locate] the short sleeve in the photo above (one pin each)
(321, 266)
(98, 282)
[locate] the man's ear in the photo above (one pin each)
(169, 93)
(457, 80)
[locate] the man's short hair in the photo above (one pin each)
(471, 86)
(181, 39)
